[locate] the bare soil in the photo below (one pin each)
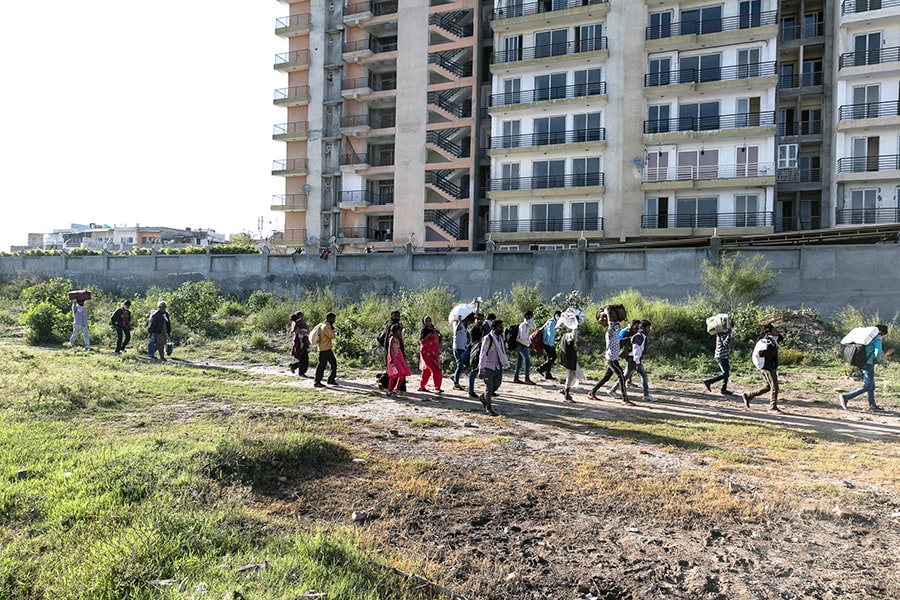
(512, 518)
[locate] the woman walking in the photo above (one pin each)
(430, 355)
(300, 343)
(397, 369)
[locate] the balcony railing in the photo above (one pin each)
(376, 84)
(870, 57)
(378, 9)
(292, 21)
(870, 110)
(292, 93)
(574, 136)
(580, 90)
(373, 159)
(862, 164)
(867, 216)
(546, 225)
(787, 82)
(791, 223)
(524, 9)
(807, 175)
(701, 172)
(737, 219)
(813, 127)
(294, 56)
(289, 164)
(549, 50)
(730, 73)
(544, 182)
(375, 45)
(367, 197)
(849, 7)
(292, 128)
(710, 123)
(289, 200)
(802, 31)
(364, 233)
(699, 27)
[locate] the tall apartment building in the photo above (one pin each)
(547, 123)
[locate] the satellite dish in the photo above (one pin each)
(331, 240)
(312, 239)
(306, 187)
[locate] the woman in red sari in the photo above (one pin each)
(397, 369)
(430, 355)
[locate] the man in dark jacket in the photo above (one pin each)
(765, 358)
(160, 328)
(121, 321)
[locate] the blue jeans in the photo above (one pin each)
(522, 356)
(725, 367)
(461, 365)
(868, 375)
(633, 367)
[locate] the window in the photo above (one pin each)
(750, 12)
(811, 121)
(867, 5)
(746, 211)
(812, 73)
(787, 156)
(696, 212)
(512, 48)
(786, 122)
(786, 76)
(547, 217)
(865, 101)
(509, 218)
(660, 25)
(383, 228)
(810, 169)
(657, 166)
(585, 216)
(588, 83)
(812, 25)
(656, 213)
(748, 63)
(702, 164)
(789, 28)
(862, 206)
(589, 38)
(747, 161)
(658, 118)
(549, 130)
(698, 117)
(701, 20)
(547, 87)
(864, 152)
(867, 49)
(587, 127)
(512, 90)
(658, 72)
(548, 174)
(514, 8)
(700, 68)
(511, 134)
(510, 176)
(747, 110)
(385, 189)
(550, 43)
(585, 172)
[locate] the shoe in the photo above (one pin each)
(843, 400)
(473, 395)
(612, 393)
(569, 398)
(516, 380)
(389, 394)
(318, 384)
(628, 403)
(438, 391)
(456, 386)
(592, 397)
(875, 408)
(483, 401)
(706, 385)
(529, 382)
(548, 376)
(491, 412)
(649, 399)
(727, 393)
(422, 390)
(776, 411)
(293, 366)
(746, 398)
(117, 352)
(331, 382)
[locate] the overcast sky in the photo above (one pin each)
(152, 113)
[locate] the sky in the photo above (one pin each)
(139, 113)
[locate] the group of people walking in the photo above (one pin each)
(482, 347)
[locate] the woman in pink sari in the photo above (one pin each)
(397, 369)
(430, 355)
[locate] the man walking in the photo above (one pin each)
(121, 321)
(326, 353)
(723, 339)
(80, 324)
(874, 355)
(612, 358)
(639, 340)
(548, 337)
(160, 328)
(765, 358)
(491, 363)
(523, 347)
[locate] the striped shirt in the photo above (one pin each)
(722, 341)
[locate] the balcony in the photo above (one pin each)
(710, 123)
(789, 82)
(291, 132)
(549, 51)
(286, 167)
(292, 25)
(850, 7)
(870, 57)
(529, 140)
(867, 216)
(365, 198)
(370, 46)
(372, 159)
(292, 236)
(869, 164)
(296, 95)
(870, 110)
(795, 128)
(806, 175)
(374, 83)
(581, 90)
(289, 202)
(700, 27)
(366, 234)
(790, 33)
(577, 225)
(546, 182)
(524, 9)
(360, 11)
(708, 221)
(295, 60)
(708, 172)
(730, 73)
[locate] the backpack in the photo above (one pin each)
(511, 337)
(382, 338)
(314, 335)
(760, 351)
(856, 355)
(625, 346)
(537, 340)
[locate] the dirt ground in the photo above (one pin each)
(510, 521)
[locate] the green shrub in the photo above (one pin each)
(735, 282)
(275, 318)
(40, 252)
(234, 249)
(141, 251)
(259, 300)
(232, 308)
(84, 252)
(52, 290)
(44, 323)
(258, 341)
(790, 356)
(194, 303)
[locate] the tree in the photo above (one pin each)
(735, 283)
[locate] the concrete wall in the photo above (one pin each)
(824, 278)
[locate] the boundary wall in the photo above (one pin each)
(823, 278)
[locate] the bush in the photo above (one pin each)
(194, 303)
(52, 291)
(84, 252)
(735, 283)
(259, 300)
(234, 249)
(44, 323)
(232, 308)
(275, 318)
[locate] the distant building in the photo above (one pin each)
(105, 237)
